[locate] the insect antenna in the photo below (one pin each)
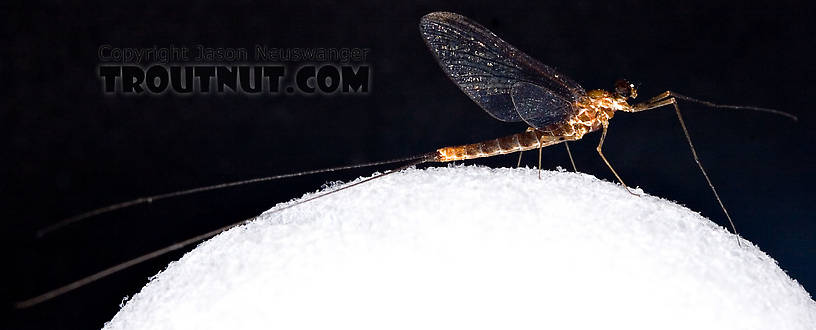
(664, 99)
(145, 257)
(149, 199)
(736, 107)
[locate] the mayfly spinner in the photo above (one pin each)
(507, 83)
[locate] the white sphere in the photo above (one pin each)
(474, 248)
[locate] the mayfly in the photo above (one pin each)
(506, 83)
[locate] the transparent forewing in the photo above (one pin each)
(539, 106)
(485, 67)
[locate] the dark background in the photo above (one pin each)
(66, 148)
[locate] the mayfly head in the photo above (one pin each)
(624, 89)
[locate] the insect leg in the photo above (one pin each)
(519, 160)
(518, 164)
(659, 97)
(600, 152)
(569, 153)
(673, 101)
(649, 105)
(540, 149)
(702, 170)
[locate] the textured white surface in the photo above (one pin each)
(472, 248)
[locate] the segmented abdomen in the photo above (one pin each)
(517, 142)
(590, 118)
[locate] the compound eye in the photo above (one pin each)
(623, 88)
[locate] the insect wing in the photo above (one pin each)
(486, 67)
(539, 106)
